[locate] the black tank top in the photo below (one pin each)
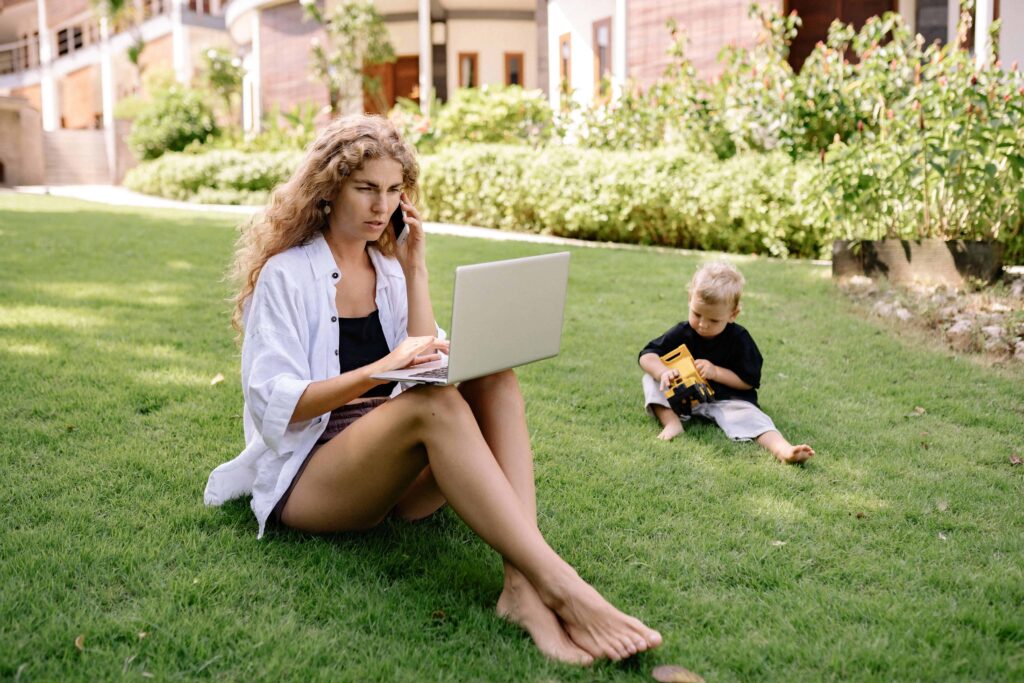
(363, 342)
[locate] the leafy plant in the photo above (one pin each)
(507, 114)
(416, 127)
(356, 36)
(941, 151)
(754, 203)
(174, 118)
(220, 176)
(222, 73)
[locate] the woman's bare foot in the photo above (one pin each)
(795, 454)
(595, 625)
(520, 604)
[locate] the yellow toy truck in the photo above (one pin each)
(690, 388)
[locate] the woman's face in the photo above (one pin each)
(367, 199)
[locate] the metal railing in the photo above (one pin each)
(83, 30)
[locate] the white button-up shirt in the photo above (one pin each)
(291, 339)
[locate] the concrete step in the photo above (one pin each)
(75, 157)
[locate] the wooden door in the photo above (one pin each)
(399, 79)
(817, 15)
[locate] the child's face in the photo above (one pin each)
(710, 319)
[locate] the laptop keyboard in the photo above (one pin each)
(436, 373)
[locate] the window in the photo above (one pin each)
(69, 39)
(514, 68)
(467, 70)
(565, 60)
(602, 56)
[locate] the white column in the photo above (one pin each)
(982, 40)
(619, 48)
(107, 86)
(47, 82)
(179, 39)
(426, 56)
(256, 74)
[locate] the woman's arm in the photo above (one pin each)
(412, 257)
(326, 395)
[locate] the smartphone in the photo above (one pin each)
(398, 227)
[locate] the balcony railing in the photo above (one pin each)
(19, 55)
(83, 30)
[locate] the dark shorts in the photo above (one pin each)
(340, 419)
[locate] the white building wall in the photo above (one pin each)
(405, 37)
(1011, 38)
(491, 39)
(577, 19)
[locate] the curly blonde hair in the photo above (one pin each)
(295, 213)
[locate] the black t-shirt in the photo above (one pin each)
(363, 342)
(734, 349)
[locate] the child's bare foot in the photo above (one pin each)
(671, 431)
(784, 450)
(596, 626)
(795, 454)
(520, 604)
(673, 427)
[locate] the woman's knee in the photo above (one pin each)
(440, 404)
(503, 384)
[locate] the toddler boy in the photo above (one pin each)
(726, 356)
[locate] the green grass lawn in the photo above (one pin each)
(896, 554)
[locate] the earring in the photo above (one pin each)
(327, 209)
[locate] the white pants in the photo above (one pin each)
(740, 420)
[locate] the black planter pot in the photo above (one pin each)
(930, 261)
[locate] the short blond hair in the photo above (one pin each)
(717, 283)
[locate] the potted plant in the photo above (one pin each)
(929, 186)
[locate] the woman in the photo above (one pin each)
(328, 299)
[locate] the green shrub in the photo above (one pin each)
(220, 177)
(751, 203)
(939, 146)
(508, 115)
(174, 118)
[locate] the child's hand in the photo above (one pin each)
(666, 378)
(706, 368)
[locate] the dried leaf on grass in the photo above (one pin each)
(217, 379)
(80, 642)
(942, 506)
(1015, 459)
(778, 543)
(918, 411)
(670, 673)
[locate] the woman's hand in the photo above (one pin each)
(411, 254)
(411, 352)
(706, 368)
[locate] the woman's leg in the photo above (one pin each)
(352, 482)
(498, 407)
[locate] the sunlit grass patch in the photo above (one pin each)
(893, 555)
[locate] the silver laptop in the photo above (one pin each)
(504, 314)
